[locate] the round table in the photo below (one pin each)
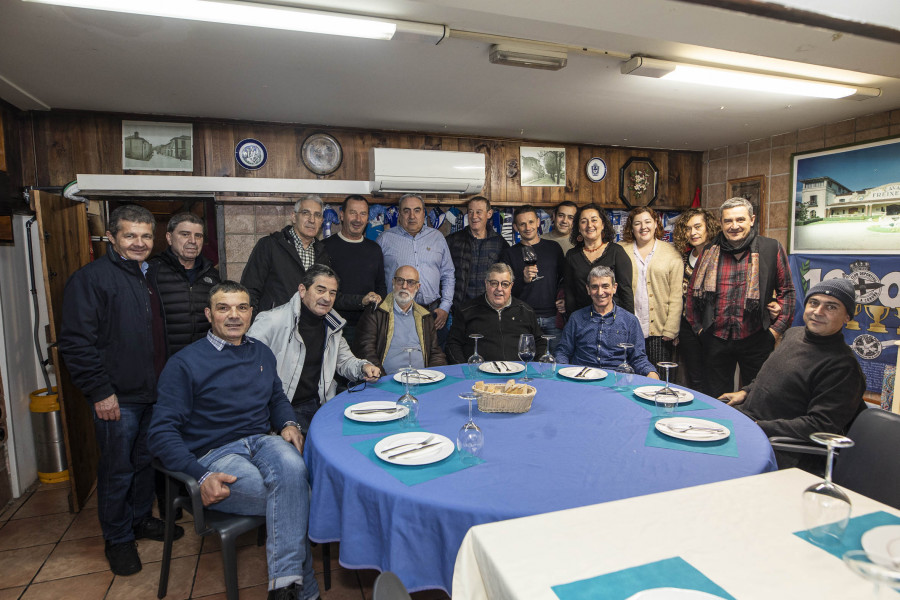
(580, 444)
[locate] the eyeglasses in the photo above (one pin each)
(408, 282)
(306, 214)
(356, 386)
(503, 284)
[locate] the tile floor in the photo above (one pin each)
(48, 552)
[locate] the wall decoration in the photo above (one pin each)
(595, 169)
(250, 154)
(638, 182)
(542, 166)
(512, 168)
(321, 153)
(151, 146)
(754, 190)
(846, 200)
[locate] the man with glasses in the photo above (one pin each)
(496, 315)
(279, 261)
(474, 250)
(386, 330)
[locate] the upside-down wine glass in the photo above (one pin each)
(882, 572)
(407, 376)
(666, 398)
(547, 362)
(475, 361)
(826, 508)
(470, 439)
(526, 351)
(626, 371)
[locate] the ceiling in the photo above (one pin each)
(66, 58)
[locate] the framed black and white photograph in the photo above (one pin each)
(542, 166)
(152, 146)
(846, 200)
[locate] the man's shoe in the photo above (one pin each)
(123, 558)
(154, 529)
(291, 592)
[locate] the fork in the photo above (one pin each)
(683, 428)
(424, 442)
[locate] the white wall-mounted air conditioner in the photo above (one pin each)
(426, 171)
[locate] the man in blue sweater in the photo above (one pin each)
(218, 400)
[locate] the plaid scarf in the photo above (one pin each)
(707, 270)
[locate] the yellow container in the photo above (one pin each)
(49, 445)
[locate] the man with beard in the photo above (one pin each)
(386, 330)
(474, 250)
(306, 336)
(737, 274)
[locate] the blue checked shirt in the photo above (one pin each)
(429, 254)
(586, 329)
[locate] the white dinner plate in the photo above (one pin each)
(501, 367)
(882, 544)
(647, 392)
(672, 427)
(375, 417)
(591, 374)
(401, 442)
(669, 593)
(421, 377)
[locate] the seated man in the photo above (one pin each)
(812, 381)
(593, 333)
(496, 315)
(217, 401)
(386, 330)
(308, 322)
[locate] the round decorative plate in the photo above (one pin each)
(321, 153)
(250, 154)
(595, 169)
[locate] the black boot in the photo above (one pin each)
(152, 528)
(123, 558)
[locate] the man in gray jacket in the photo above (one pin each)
(305, 336)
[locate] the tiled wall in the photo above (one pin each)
(772, 157)
(245, 224)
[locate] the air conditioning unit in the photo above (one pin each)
(426, 171)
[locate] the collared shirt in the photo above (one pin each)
(641, 300)
(307, 254)
(404, 336)
(218, 343)
(592, 339)
(429, 254)
(144, 265)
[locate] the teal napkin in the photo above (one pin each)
(352, 427)
(671, 572)
(726, 447)
(388, 384)
(412, 475)
(852, 539)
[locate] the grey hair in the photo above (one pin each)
(315, 199)
(737, 202)
(500, 268)
(601, 271)
(131, 213)
(408, 196)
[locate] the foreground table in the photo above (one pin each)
(578, 445)
(738, 533)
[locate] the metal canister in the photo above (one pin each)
(49, 445)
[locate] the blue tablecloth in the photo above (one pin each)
(578, 445)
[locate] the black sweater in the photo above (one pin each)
(578, 267)
(501, 330)
(541, 294)
(360, 265)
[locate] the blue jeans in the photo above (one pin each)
(548, 326)
(125, 488)
(271, 481)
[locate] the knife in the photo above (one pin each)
(581, 373)
(415, 449)
(366, 411)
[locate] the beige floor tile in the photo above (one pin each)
(12, 593)
(151, 550)
(86, 524)
(19, 566)
(83, 587)
(251, 566)
(44, 503)
(145, 583)
(91, 501)
(75, 557)
(257, 592)
(34, 531)
(46, 487)
(12, 506)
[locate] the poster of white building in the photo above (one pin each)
(847, 200)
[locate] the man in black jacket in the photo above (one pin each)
(184, 277)
(113, 343)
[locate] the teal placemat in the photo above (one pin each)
(352, 427)
(412, 475)
(608, 381)
(388, 384)
(671, 572)
(695, 404)
(852, 539)
(726, 447)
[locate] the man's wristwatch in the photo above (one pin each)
(291, 424)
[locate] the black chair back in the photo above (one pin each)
(872, 466)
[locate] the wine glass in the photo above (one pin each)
(878, 573)
(408, 377)
(526, 351)
(475, 360)
(547, 362)
(529, 256)
(826, 509)
(470, 439)
(627, 372)
(666, 399)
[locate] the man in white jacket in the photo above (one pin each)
(305, 336)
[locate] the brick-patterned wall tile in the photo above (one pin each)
(779, 188)
(778, 214)
(272, 217)
(840, 128)
(872, 134)
(238, 247)
(873, 121)
(811, 134)
(239, 218)
(718, 171)
(840, 140)
(715, 195)
(784, 139)
(811, 145)
(781, 160)
(760, 144)
(779, 234)
(235, 270)
(720, 152)
(758, 163)
(737, 149)
(737, 167)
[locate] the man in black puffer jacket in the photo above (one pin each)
(184, 279)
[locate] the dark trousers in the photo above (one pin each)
(305, 410)
(125, 487)
(722, 355)
(691, 358)
(658, 350)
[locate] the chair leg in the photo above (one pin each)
(229, 566)
(326, 564)
(162, 590)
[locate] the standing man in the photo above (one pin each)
(536, 284)
(184, 278)
(280, 260)
(563, 221)
(736, 276)
(113, 342)
(358, 262)
(424, 249)
(474, 250)
(306, 336)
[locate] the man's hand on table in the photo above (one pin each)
(371, 372)
(653, 375)
(215, 489)
(734, 398)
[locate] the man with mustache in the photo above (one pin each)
(387, 329)
(306, 336)
(474, 250)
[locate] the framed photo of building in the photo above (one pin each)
(846, 200)
(754, 190)
(152, 146)
(542, 166)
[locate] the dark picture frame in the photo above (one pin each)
(638, 182)
(752, 189)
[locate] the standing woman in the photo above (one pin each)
(657, 271)
(695, 228)
(592, 237)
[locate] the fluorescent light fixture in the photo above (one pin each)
(262, 15)
(744, 80)
(533, 57)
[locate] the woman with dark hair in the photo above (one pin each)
(656, 272)
(592, 236)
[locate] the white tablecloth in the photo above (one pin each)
(739, 533)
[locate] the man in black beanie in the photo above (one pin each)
(812, 381)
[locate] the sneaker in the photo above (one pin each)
(123, 558)
(291, 592)
(152, 528)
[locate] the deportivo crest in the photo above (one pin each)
(865, 282)
(207, 279)
(866, 346)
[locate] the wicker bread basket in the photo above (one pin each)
(507, 398)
